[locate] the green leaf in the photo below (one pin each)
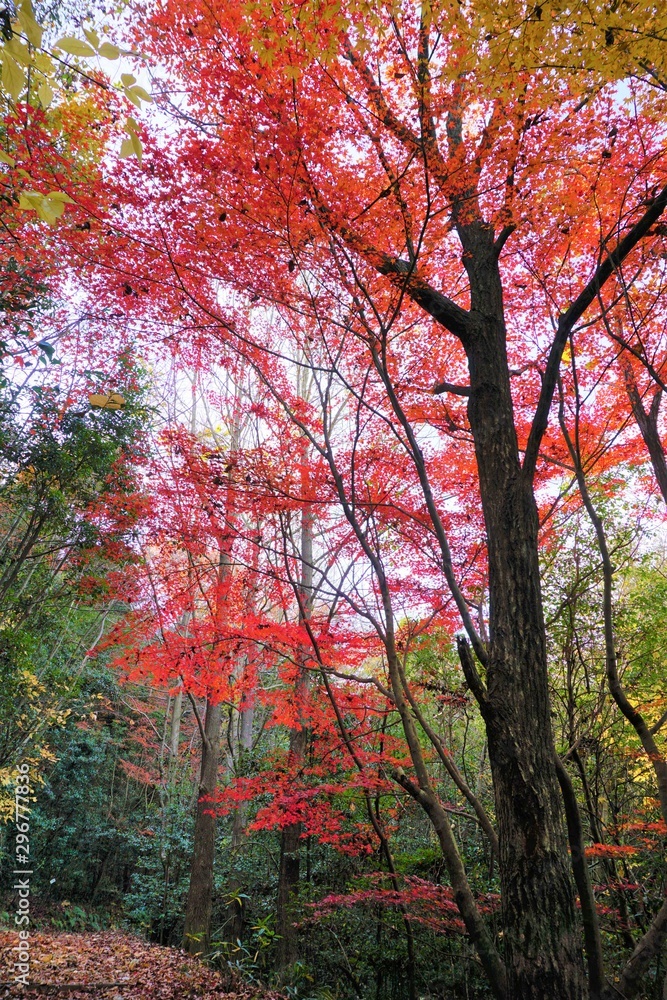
(48, 349)
(109, 51)
(6, 158)
(13, 77)
(75, 46)
(127, 79)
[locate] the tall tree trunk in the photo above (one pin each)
(290, 865)
(166, 794)
(245, 723)
(541, 933)
(288, 875)
(199, 906)
(236, 909)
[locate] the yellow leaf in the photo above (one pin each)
(50, 211)
(31, 29)
(49, 207)
(92, 37)
(30, 200)
(132, 97)
(131, 146)
(108, 401)
(45, 95)
(13, 77)
(127, 79)
(75, 46)
(44, 63)
(109, 51)
(18, 51)
(126, 148)
(6, 158)
(139, 92)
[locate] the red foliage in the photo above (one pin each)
(423, 902)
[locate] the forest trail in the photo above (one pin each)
(113, 965)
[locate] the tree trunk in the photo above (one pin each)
(199, 906)
(288, 875)
(290, 865)
(541, 933)
(196, 935)
(236, 909)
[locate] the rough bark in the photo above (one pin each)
(541, 929)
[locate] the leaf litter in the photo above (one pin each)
(114, 965)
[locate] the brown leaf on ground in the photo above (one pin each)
(114, 966)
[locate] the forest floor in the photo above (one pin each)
(113, 965)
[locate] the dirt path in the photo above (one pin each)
(112, 966)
